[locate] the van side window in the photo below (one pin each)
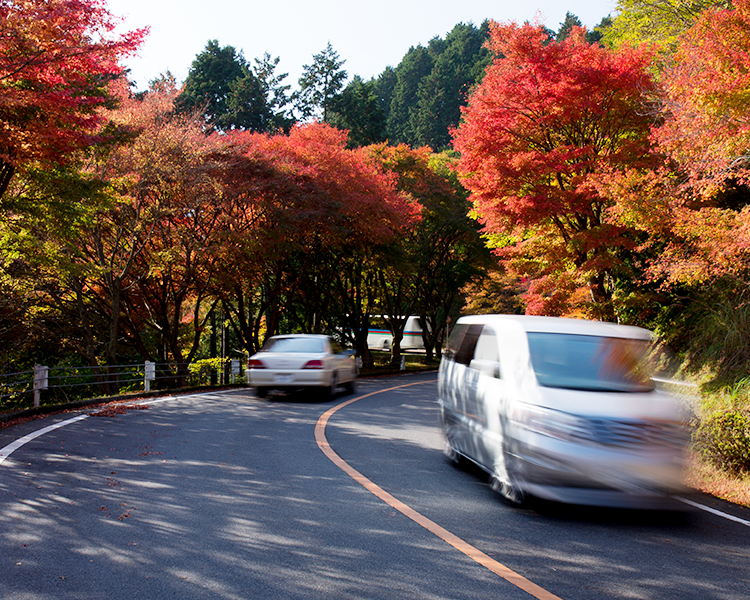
(487, 346)
(486, 352)
(454, 341)
(468, 344)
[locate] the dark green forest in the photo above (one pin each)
(417, 102)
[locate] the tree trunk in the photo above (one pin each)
(6, 174)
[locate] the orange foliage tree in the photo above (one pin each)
(694, 212)
(130, 261)
(308, 215)
(694, 207)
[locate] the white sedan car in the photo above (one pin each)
(288, 362)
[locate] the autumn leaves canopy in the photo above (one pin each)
(600, 167)
(602, 173)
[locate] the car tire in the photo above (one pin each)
(330, 391)
(351, 386)
(261, 392)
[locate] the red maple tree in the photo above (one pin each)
(305, 214)
(56, 58)
(545, 122)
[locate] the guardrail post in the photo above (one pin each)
(41, 380)
(235, 368)
(150, 375)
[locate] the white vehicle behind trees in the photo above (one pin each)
(380, 334)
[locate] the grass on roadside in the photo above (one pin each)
(711, 480)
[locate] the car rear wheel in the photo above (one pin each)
(330, 391)
(351, 386)
(261, 392)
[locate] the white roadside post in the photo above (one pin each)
(41, 380)
(150, 375)
(235, 368)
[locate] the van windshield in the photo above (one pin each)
(587, 362)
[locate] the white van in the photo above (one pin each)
(561, 409)
(380, 336)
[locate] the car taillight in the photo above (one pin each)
(254, 363)
(313, 364)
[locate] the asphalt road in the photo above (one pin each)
(224, 495)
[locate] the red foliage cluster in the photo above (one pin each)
(308, 183)
(56, 59)
(548, 120)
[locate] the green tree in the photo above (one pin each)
(415, 66)
(221, 85)
(655, 21)
(358, 109)
(567, 25)
(425, 269)
(207, 87)
(460, 64)
(246, 105)
(384, 85)
(596, 36)
(320, 83)
(276, 92)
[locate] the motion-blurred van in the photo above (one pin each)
(380, 334)
(561, 409)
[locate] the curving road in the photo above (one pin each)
(224, 495)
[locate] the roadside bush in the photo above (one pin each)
(723, 439)
(200, 370)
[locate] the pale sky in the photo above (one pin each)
(368, 36)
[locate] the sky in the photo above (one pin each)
(369, 36)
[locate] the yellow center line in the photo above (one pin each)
(473, 553)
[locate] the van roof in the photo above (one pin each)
(559, 325)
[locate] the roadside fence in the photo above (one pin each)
(56, 385)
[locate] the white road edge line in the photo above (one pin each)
(12, 447)
(713, 511)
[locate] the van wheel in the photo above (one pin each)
(451, 453)
(508, 487)
(508, 490)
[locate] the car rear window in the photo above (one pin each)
(587, 362)
(301, 345)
